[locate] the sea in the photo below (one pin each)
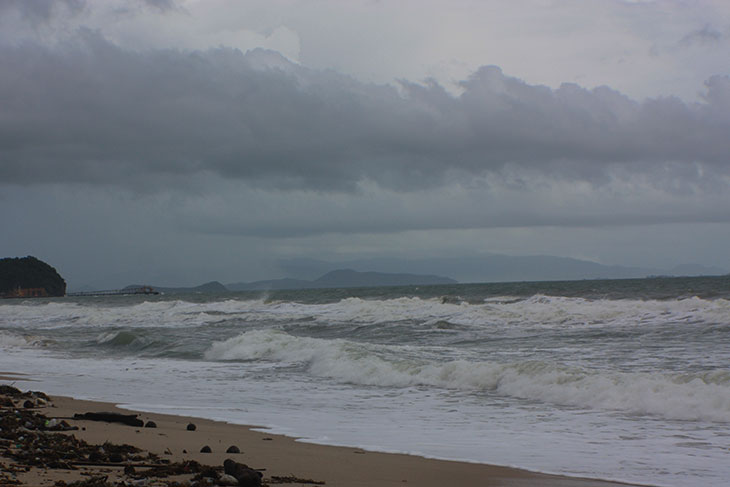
(611, 379)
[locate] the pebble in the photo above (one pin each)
(191, 427)
(226, 479)
(205, 449)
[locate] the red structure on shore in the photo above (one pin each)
(32, 292)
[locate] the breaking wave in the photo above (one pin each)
(536, 311)
(119, 339)
(8, 340)
(700, 396)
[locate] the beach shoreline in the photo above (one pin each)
(279, 457)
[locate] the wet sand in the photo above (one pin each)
(276, 456)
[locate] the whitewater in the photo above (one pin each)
(621, 380)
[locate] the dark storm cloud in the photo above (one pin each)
(90, 111)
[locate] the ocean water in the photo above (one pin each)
(625, 380)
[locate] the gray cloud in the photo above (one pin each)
(41, 11)
(89, 111)
(38, 11)
(161, 5)
(707, 35)
(488, 203)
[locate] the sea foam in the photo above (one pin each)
(537, 311)
(700, 396)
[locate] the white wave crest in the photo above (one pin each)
(672, 396)
(535, 312)
(10, 341)
(538, 311)
(146, 314)
(341, 359)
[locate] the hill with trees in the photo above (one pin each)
(29, 277)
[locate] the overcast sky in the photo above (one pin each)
(176, 142)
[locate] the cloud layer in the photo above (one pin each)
(90, 111)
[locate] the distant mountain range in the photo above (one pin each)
(317, 274)
(494, 268)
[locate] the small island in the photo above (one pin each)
(28, 277)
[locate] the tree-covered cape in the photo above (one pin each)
(29, 273)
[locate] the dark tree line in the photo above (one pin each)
(29, 272)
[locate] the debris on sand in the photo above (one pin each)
(291, 479)
(30, 440)
(128, 419)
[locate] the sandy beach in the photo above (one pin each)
(281, 460)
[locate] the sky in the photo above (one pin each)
(175, 142)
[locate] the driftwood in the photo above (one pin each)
(128, 419)
(110, 464)
(291, 479)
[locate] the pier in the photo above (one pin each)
(116, 292)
